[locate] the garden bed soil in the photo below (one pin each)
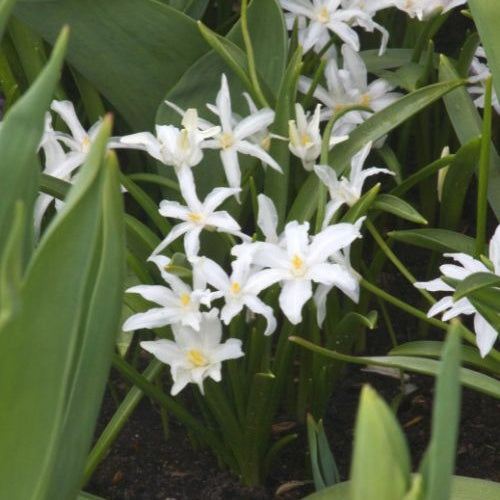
(142, 465)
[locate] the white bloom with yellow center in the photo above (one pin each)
(197, 216)
(348, 86)
(346, 190)
(179, 303)
(299, 259)
(423, 9)
(240, 289)
(195, 355)
(235, 138)
(467, 265)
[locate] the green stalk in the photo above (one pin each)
(314, 83)
(394, 259)
(482, 182)
(250, 55)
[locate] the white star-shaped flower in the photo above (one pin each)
(485, 333)
(299, 259)
(240, 289)
(195, 355)
(346, 190)
(423, 9)
(235, 138)
(197, 216)
(179, 302)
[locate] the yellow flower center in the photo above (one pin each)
(338, 107)
(266, 142)
(197, 358)
(184, 143)
(365, 100)
(235, 287)
(86, 143)
(323, 16)
(305, 139)
(195, 217)
(185, 299)
(297, 264)
(226, 140)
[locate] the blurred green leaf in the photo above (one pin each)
(362, 205)
(397, 206)
(5, 9)
(377, 434)
(20, 135)
(440, 460)
(441, 240)
(391, 58)
(148, 47)
(58, 348)
(192, 8)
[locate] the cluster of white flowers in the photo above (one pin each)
(304, 265)
(485, 333)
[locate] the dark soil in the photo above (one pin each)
(142, 465)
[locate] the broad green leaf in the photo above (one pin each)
(391, 58)
(377, 434)
(48, 345)
(193, 8)
(440, 460)
(149, 46)
(432, 349)
(487, 19)
(397, 206)
(5, 9)
(456, 183)
(11, 266)
(386, 120)
(462, 488)
(475, 282)
(20, 135)
(467, 125)
(441, 240)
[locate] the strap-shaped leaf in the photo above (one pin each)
(20, 136)
(54, 354)
(474, 283)
(397, 206)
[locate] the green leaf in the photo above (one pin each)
(152, 45)
(382, 122)
(440, 461)
(5, 9)
(20, 135)
(456, 183)
(432, 349)
(11, 266)
(475, 282)
(193, 8)
(441, 240)
(391, 58)
(377, 434)
(362, 205)
(467, 125)
(72, 290)
(487, 19)
(397, 206)
(462, 488)
(468, 378)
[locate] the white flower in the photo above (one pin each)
(423, 9)
(317, 18)
(195, 355)
(179, 148)
(347, 87)
(346, 190)
(239, 290)
(198, 216)
(479, 73)
(179, 303)
(233, 139)
(485, 333)
(299, 259)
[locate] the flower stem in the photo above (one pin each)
(250, 55)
